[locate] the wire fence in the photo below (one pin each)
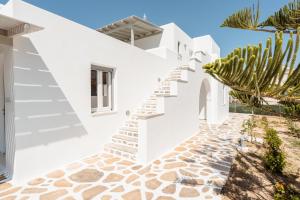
(274, 110)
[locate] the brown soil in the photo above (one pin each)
(248, 177)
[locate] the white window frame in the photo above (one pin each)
(110, 93)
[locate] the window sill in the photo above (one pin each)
(101, 113)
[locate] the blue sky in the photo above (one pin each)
(195, 17)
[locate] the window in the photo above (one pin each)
(178, 47)
(101, 89)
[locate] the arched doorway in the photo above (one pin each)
(204, 100)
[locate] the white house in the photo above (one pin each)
(131, 88)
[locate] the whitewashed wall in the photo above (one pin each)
(54, 125)
(53, 121)
(169, 39)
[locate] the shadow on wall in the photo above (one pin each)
(42, 112)
(204, 100)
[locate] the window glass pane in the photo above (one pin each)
(105, 88)
(94, 88)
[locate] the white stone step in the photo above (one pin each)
(131, 124)
(125, 140)
(121, 150)
(148, 115)
(128, 133)
(186, 67)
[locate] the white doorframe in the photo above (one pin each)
(7, 50)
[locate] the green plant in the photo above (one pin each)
(283, 192)
(257, 72)
(293, 128)
(248, 126)
(264, 122)
(291, 110)
(274, 157)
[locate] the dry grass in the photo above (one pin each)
(248, 177)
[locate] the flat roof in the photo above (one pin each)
(121, 29)
(10, 26)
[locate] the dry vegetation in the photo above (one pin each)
(248, 177)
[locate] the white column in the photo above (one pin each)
(132, 36)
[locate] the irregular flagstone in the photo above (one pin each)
(56, 174)
(62, 183)
(106, 197)
(69, 198)
(181, 174)
(169, 176)
(144, 170)
(126, 162)
(137, 167)
(165, 198)
(24, 198)
(186, 173)
(170, 189)
(53, 195)
(188, 192)
(149, 175)
(127, 171)
(86, 175)
(9, 191)
(137, 183)
(157, 162)
(205, 189)
(132, 195)
(180, 148)
(80, 187)
(34, 190)
(93, 192)
(10, 198)
(153, 184)
(204, 174)
(113, 177)
(37, 181)
(112, 160)
(131, 178)
(118, 189)
(5, 186)
(174, 165)
(149, 195)
(108, 168)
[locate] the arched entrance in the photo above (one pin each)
(204, 100)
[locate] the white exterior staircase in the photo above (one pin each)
(125, 142)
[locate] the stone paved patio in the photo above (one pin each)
(197, 169)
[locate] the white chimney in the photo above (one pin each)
(145, 17)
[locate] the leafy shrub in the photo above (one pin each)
(283, 192)
(274, 156)
(293, 128)
(291, 109)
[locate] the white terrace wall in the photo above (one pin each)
(53, 120)
(168, 41)
(207, 50)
